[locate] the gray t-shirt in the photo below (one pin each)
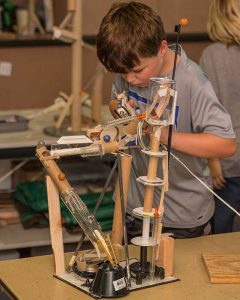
(222, 66)
(187, 204)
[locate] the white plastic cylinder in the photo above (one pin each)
(146, 230)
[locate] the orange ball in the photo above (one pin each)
(184, 21)
(61, 176)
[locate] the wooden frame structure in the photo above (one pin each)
(70, 30)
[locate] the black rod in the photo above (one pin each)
(170, 129)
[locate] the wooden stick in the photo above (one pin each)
(33, 20)
(55, 226)
(71, 5)
(38, 24)
(76, 120)
(64, 34)
(165, 172)
(31, 9)
(64, 112)
(53, 170)
(66, 20)
(152, 171)
(97, 97)
(117, 228)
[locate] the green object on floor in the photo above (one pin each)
(31, 201)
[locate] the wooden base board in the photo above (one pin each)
(223, 268)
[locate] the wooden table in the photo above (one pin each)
(32, 278)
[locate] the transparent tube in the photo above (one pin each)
(69, 150)
(161, 101)
(156, 234)
(88, 224)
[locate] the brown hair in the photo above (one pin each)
(128, 32)
(224, 21)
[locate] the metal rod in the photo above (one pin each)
(143, 258)
(18, 166)
(74, 256)
(110, 176)
(170, 129)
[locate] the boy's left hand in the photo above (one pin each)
(216, 173)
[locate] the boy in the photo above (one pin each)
(131, 42)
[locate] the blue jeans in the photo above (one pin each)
(223, 216)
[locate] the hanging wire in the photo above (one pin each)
(204, 184)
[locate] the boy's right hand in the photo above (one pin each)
(216, 173)
(118, 112)
(112, 107)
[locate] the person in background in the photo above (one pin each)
(131, 42)
(221, 63)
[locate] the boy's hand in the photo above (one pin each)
(112, 107)
(121, 112)
(216, 173)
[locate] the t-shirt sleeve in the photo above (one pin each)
(208, 115)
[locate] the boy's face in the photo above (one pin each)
(148, 67)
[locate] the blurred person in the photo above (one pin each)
(221, 63)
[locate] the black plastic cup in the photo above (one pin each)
(110, 282)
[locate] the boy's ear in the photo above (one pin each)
(163, 48)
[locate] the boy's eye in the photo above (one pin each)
(137, 71)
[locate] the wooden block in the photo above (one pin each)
(165, 254)
(223, 268)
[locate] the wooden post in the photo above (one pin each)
(76, 120)
(117, 228)
(55, 226)
(31, 12)
(97, 97)
(71, 5)
(33, 21)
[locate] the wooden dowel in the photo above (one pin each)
(53, 170)
(76, 120)
(55, 226)
(71, 5)
(117, 228)
(97, 97)
(152, 170)
(64, 112)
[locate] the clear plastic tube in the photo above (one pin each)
(156, 234)
(88, 224)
